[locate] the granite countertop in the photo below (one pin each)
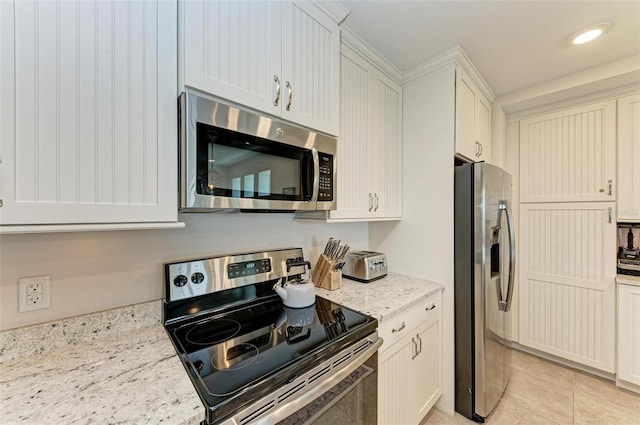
(628, 280)
(383, 298)
(101, 375)
(119, 366)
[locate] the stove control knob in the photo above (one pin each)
(180, 280)
(197, 277)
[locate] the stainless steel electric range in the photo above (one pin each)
(253, 360)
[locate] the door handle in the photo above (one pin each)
(610, 187)
(290, 88)
(398, 329)
(506, 304)
(277, 99)
(420, 342)
(375, 196)
(370, 202)
(415, 349)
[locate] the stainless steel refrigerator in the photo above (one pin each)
(484, 281)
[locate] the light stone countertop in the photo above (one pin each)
(101, 376)
(119, 366)
(383, 298)
(628, 280)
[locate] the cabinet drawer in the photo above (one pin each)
(403, 324)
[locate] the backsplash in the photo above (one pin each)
(96, 271)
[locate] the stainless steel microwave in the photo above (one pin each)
(234, 159)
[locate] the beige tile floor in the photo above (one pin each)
(544, 393)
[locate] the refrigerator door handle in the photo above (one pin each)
(506, 304)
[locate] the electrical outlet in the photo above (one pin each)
(34, 293)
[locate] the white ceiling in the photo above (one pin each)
(514, 44)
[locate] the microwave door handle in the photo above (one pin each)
(506, 304)
(316, 175)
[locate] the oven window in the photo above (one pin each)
(236, 165)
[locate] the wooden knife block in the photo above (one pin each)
(324, 276)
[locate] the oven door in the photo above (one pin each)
(235, 159)
(342, 389)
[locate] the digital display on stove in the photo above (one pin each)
(248, 268)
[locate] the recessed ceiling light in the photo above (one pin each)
(589, 33)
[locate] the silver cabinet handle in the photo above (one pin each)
(420, 341)
(288, 84)
(431, 307)
(375, 196)
(610, 187)
(415, 349)
(610, 214)
(370, 202)
(398, 329)
(277, 99)
(480, 154)
(477, 148)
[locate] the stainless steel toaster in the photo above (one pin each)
(365, 266)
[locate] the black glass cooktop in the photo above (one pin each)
(239, 355)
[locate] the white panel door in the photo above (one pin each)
(310, 67)
(88, 111)
(386, 147)
(629, 158)
(567, 281)
(427, 371)
(232, 49)
(354, 157)
(466, 99)
(569, 155)
(629, 333)
(483, 127)
(395, 383)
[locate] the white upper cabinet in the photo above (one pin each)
(570, 155)
(281, 58)
(369, 173)
(473, 120)
(88, 115)
(629, 158)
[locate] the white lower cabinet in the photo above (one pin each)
(629, 337)
(410, 364)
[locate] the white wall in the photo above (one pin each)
(93, 271)
(421, 244)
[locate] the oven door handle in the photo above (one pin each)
(315, 390)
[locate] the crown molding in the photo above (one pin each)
(354, 42)
(333, 9)
(455, 55)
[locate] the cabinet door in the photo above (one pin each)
(567, 266)
(466, 99)
(628, 158)
(483, 128)
(310, 67)
(232, 49)
(569, 156)
(88, 111)
(354, 155)
(395, 383)
(427, 370)
(629, 333)
(386, 147)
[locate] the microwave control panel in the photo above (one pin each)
(325, 190)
